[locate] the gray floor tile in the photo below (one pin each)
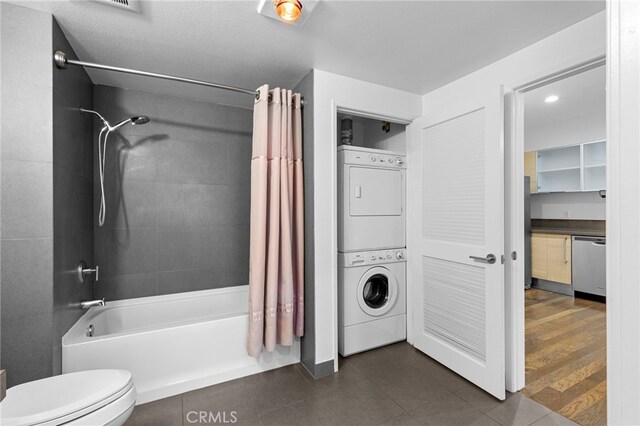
(450, 410)
(553, 419)
(405, 419)
(364, 403)
(307, 412)
(517, 410)
(388, 386)
(228, 400)
(277, 388)
(347, 375)
(163, 412)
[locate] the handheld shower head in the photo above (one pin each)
(138, 121)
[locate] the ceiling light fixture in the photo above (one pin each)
(288, 10)
(551, 99)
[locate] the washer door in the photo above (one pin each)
(377, 291)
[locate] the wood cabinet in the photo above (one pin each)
(551, 257)
(539, 256)
(531, 170)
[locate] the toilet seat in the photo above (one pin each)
(103, 395)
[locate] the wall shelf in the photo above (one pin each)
(575, 168)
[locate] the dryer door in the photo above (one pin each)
(375, 192)
(377, 291)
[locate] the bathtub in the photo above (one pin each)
(171, 344)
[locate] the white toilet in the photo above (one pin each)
(93, 397)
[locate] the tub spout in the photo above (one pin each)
(86, 304)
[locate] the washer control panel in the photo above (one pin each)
(375, 257)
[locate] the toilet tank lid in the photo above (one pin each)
(55, 397)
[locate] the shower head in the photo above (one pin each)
(143, 119)
(136, 121)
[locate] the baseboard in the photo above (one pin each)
(552, 286)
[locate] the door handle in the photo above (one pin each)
(564, 251)
(490, 258)
(358, 191)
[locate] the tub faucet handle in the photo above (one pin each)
(83, 271)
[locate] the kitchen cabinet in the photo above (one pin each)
(575, 168)
(551, 257)
(530, 170)
(539, 256)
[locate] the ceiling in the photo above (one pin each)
(580, 95)
(414, 46)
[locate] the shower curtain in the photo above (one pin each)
(276, 276)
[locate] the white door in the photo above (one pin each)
(458, 276)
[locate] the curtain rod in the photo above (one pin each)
(61, 60)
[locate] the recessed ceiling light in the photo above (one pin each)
(551, 99)
(288, 10)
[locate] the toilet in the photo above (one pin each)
(93, 397)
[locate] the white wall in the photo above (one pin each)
(333, 92)
(588, 127)
(579, 43)
(569, 205)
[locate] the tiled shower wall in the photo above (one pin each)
(178, 196)
(45, 191)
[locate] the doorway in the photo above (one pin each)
(563, 134)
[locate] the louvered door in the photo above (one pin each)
(459, 239)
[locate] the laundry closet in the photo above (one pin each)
(372, 238)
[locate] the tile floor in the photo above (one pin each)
(394, 385)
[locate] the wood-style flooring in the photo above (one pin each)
(566, 355)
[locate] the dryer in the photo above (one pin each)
(371, 299)
(371, 199)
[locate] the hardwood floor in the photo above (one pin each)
(565, 351)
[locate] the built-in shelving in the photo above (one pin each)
(572, 168)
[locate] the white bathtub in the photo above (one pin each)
(171, 344)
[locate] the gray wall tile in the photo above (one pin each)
(68, 131)
(127, 157)
(125, 251)
(26, 199)
(25, 47)
(192, 162)
(199, 157)
(67, 201)
(181, 205)
(26, 274)
(127, 286)
(192, 247)
(238, 256)
(192, 280)
(129, 204)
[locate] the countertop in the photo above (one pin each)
(588, 228)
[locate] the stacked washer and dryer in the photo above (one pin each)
(371, 246)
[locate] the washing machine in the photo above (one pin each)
(371, 199)
(372, 299)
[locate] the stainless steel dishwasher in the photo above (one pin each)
(588, 264)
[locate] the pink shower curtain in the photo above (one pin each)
(276, 276)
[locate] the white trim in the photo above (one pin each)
(514, 209)
(623, 210)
